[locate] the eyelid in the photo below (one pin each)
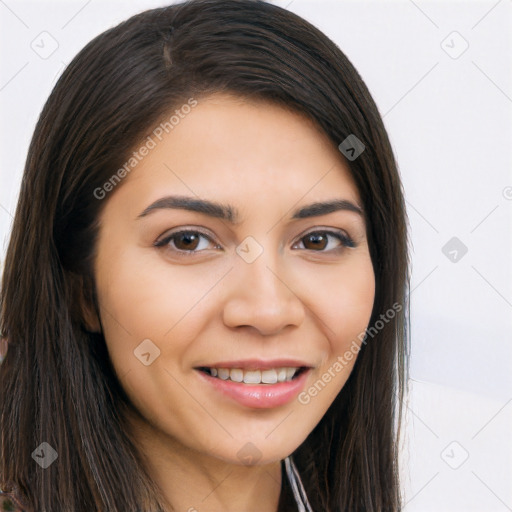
(342, 235)
(164, 239)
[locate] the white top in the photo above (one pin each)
(298, 490)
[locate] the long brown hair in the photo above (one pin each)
(57, 384)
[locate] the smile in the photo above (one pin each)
(253, 387)
(257, 376)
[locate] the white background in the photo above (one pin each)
(449, 117)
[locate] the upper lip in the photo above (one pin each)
(257, 364)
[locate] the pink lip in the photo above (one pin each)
(258, 396)
(257, 364)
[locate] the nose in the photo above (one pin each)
(262, 298)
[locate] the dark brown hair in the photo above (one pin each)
(57, 383)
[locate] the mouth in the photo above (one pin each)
(256, 384)
(258, 376)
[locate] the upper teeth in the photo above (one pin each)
(270, 376)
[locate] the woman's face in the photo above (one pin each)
(263, 286)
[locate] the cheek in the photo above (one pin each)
(354, 306)
(342, 300)
(142, 299)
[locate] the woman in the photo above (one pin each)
(204, 294)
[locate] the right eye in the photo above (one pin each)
(185, 242)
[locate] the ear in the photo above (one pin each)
(84, 306)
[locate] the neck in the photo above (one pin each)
(192, 481)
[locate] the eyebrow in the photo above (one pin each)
(232, 215)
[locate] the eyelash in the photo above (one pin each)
(163, 243)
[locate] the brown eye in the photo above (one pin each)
(185, 242)
(320, 241)
(315, 241)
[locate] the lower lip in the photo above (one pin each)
(258, 396)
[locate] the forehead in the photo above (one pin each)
(250, 152)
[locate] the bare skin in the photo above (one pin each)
(305, 297)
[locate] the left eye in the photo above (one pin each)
(318, 241)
